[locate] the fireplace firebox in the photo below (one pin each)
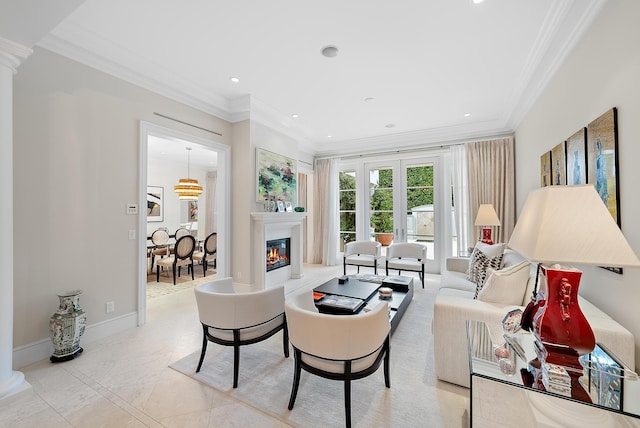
(278, 253)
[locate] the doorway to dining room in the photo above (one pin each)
(167, 156)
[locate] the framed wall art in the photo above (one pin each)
(558, 165)
(602, 163)
(276, 177)
(545, 169)
(155, 204)
(577, 158)
(602, 160)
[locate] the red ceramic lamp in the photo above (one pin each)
(486, 218)
(561, 226)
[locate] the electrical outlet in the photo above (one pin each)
(109, 307)
(239, 275)
(132, 234)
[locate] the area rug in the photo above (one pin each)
(165, 286)
(413, 400)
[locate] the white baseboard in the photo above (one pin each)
(43, 349)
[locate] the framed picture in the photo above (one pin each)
(288, 207)
(193, 211)
(280, 206)
(545, 169)
(155, 204)
(276, 176)
(602, 160)
(577, 158)
(602, 163)
(558, 165)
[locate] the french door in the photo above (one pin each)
(401, 204)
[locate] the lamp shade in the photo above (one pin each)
(570, 225)
(487, 216)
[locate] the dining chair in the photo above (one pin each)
(337, 347)
(232, 318)
(159, 239)
(182, 256)
(209, 252)
(407, 256)
(362, 253)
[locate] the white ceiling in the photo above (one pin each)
(426, 63)
(175, 150)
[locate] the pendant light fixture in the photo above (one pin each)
(188, 188)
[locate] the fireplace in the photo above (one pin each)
(278, 253)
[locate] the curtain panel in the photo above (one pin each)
(325, 227)
(460, 185)
(492, 181)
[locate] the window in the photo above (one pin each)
(347, 207)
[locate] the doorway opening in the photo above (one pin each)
(163, 161)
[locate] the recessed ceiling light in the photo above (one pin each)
(295, 116)
(235, 79)
(390, 125)
(467, 114)
(477, 1)
(329, 136)
(330, 51)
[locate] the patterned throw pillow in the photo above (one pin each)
(479, 265)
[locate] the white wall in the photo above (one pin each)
(76, 166)
(602, 72)
(166, 174)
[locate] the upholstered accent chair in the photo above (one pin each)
(337, 347)
(182, 256)
(362, 253)
(209, 252)
(407, 256)
(232, 318)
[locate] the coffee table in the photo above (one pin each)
(368, 292)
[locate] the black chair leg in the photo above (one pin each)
(204, 267)
(204, 347)
(174, 274)
(236, 357)
(192, 275)
(387, 378)
(285, 339)
(344, 267)
(422, 277)
(347, 393)
(296, 378)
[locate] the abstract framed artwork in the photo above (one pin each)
(155, 204)
(545, 169)
(558, 165)
(276, 177)
(577, 158)
(602, 163)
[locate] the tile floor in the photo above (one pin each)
(125, 381)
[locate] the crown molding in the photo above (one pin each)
(166, 85)
(12, 54)
(552, 48)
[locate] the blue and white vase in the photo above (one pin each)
(66, 326)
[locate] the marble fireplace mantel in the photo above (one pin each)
(266, 226)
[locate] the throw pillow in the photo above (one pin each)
(490, 251)
(480, 263)
(506, 286)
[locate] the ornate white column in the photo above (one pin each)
(11, 55)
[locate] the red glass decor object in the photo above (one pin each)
(562, 331)
(486, 236)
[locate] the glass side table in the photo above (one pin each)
(507, 389)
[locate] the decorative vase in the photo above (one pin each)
(384, 238)
(66, 326)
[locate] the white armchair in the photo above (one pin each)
(362, 253)
(407, 256)
(338, 347)
(234, 319)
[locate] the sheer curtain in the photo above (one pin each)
(325, 226)
(460, 184)
(492, 181)
(210, 216)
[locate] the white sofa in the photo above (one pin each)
(455, 304)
